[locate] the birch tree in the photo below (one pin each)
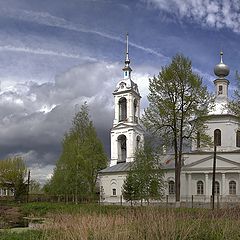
(145, 178)
(178, 106)
(81, 158)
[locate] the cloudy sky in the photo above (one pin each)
(56, 54)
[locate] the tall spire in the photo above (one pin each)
(127, 69)
(127, 60)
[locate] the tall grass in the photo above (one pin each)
(145, 223)
(21, 235)
(42, 209)
(91, 221)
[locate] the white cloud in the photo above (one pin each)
(42, 173)
(47, 108)
(47, 19)
(43, 52)
(35, 116)
(211, 13)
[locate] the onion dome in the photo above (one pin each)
(221, 70)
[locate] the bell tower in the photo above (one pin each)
(126, 134)
(221, 70)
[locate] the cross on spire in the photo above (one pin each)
(127, 60)
(221, 56)
(127, 69)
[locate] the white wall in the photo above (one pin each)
(110, 181)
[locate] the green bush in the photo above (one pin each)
(23, 235)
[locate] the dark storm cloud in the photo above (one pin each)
(34, 117)
(57, 54)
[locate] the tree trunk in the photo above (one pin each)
(179, 157)
(177, 183)
(177, 170)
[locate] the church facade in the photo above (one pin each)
(196, 176)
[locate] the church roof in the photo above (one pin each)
(168, 163)
(120, 167)
(221, 70)
(221, 107)
(126, 85)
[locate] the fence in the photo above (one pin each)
(50, 198)
(193, 201)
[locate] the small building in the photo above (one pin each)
(6, 189)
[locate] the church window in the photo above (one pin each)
(217, 188)
(200, 187)
(220, 90)
(122, 109)
(232, 188)
(217, 137)
(135, 111)
(238, 138)
(114, 192)
(122, 148)
(126, 73)
(171, 187)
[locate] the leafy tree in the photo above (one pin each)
(145, 178)
(178, 106)
(12, 175)
(35, 187)
(235, 103)
(81, 159)
(130, 188)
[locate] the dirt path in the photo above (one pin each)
(10, 216)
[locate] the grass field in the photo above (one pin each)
(89, 221)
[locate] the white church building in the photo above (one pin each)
(196, 175)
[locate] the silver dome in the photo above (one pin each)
(221, 70)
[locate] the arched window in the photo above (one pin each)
(138, 142)
(217, 188)
(122, 148)
(171, 187)
(238, 138)
(200, 187)
(114, 192)
(114, 187)
(135, 110)
(232, 188)
(122, 109)
(220, 89)
(217, 137)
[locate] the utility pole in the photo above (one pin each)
(213, 175)
(28, 183)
